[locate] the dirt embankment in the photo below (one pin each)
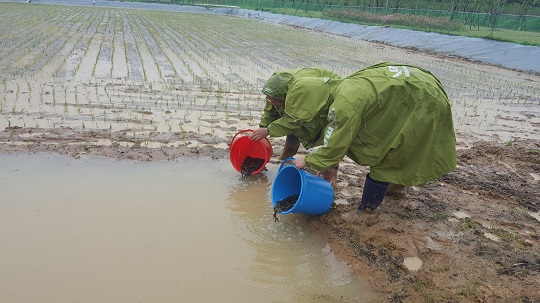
(473, 231)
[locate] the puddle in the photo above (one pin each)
(412, 263)
(535, 215)
(460, 215)
(103, 230)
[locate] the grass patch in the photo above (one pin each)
(507, 237)
(470, 289)
(504, 35)
(442, 25)
(439, 217)
(401, 20)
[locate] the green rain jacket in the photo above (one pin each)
(392, 117)
(277, 86)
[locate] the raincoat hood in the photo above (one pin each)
(277, 85)
(279, 82)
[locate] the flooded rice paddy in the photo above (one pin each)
(103, 230)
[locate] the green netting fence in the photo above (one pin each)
(449, 19)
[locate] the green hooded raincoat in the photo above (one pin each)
(278, 85)
(392, 117)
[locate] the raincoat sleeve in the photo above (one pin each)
(283, 126)
(344, 120)
(269, 115)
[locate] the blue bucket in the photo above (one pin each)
(315, 194)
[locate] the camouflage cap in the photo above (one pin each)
(277, 85)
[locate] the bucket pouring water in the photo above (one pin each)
(242, 149)
(315, 195)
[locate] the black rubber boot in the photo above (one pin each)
(396, 190)
(292, 143)
(373, 194)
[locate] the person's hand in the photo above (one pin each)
(259, 134)
(300, 162)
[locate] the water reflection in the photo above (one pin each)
(289, 254)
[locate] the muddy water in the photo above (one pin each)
(103, 230)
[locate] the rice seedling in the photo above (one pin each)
(184, 66)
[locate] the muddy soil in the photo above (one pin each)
(472, 229)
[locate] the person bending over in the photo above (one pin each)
(394, 118)
(272, 122)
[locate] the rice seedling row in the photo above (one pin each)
(103, 65)
(85, 67)
(119, 65)
(133, 59)
(150, 72)
(151, 38)
(150, 69)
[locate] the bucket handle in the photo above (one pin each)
(240, 132)
(285, 161)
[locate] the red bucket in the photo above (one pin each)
(242, 148)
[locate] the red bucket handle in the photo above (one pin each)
(240, 132)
